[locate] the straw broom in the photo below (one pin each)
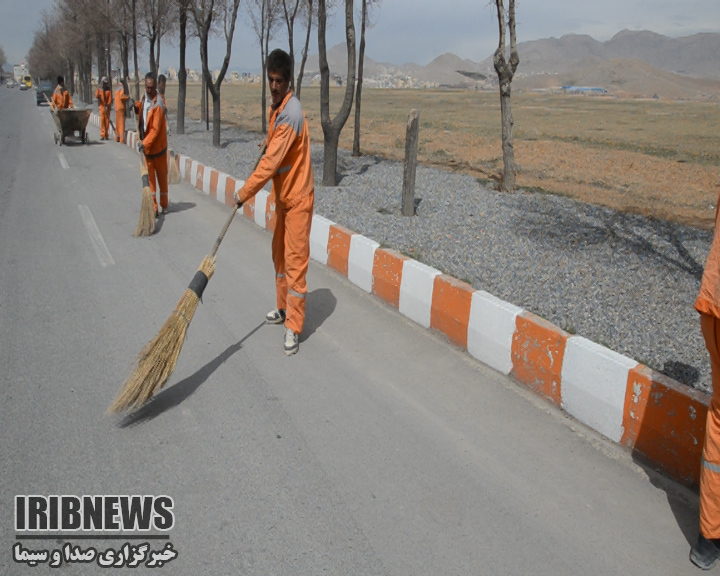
(158, 358)
(173, 172)
(146, 224)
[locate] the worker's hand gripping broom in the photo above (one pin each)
(146, 224)
(157, 360)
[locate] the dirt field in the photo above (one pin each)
(657, 158)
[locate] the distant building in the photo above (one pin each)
(584, 89)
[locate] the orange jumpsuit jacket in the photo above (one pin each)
(287, 159)
(120, 99)
(708, 299)
(104, 97)
(155, 140)
(61, 98)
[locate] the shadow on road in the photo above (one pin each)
(178, 393)
(319, 306)
(683, 502)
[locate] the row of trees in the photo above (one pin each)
(78, 35)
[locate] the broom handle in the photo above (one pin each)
(232, 213)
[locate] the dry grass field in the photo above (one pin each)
(653, 157)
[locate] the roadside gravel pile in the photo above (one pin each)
(621, 280)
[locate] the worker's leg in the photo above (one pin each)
(706, 551)
(710, 471)
(104, 123)
(151, 178)
(278, 256)
(161, 168)
(120, 125)
(297, 258)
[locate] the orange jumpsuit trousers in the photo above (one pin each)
(710, 471)
(104, 98)
(291, 256)
(159, 167)
(120, 125)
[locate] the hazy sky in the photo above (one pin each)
(420, 30)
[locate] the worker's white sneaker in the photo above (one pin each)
(292, 342)
(276, 316)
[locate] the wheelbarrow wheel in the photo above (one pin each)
(84, 137)
(62, 140)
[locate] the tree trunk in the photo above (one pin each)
(358, 94)
(135, 51)
(182, 74)
(410, 167)
(216, 117)
(203, 96)
(331, 140)
(263, 99)
(509, 169)
(505, 72)
(152, 55)
(332, 128)
(305, 51)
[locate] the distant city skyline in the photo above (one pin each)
(418, 31)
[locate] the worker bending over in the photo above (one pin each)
(61, 96)
(153, 140)
(287, 162)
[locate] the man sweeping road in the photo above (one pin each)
(287, 161)
(153, 131)
(104, 100)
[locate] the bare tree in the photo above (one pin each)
(157, 17)
(182, 73)
(290, 10)
(308, 5)
(205, 12)
(505, 71)
(333, 127)
(264, 17)
(361, 64)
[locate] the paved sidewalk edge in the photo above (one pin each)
(659, 420)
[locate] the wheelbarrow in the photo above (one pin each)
(71, 120)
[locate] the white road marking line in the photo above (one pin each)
(96, 238)
(63, 162)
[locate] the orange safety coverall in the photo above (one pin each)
(61, 98)
(104, 98)
(708, 304)
(120, 99)
(155, 143)
(287, 161)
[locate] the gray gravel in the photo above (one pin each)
(624, 281)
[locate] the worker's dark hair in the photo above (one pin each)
(162, 78)
(279, 61)
(151, 75)
(60, 79)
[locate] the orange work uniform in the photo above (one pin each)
(104, 98)
(708, 304)
(155, 143)
(120, 99)
(61, 98)
(287, 161)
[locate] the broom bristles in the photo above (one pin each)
(173, 172)
(146, 224)
(156, 362)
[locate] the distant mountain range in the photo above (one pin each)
(636, 63)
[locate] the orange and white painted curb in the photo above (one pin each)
(660, 421)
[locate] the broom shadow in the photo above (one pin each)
(178, 393)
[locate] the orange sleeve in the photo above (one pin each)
(277, 148)
(154, 131)
(57, 100)
(69, 102)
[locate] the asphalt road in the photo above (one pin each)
(378, 449)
